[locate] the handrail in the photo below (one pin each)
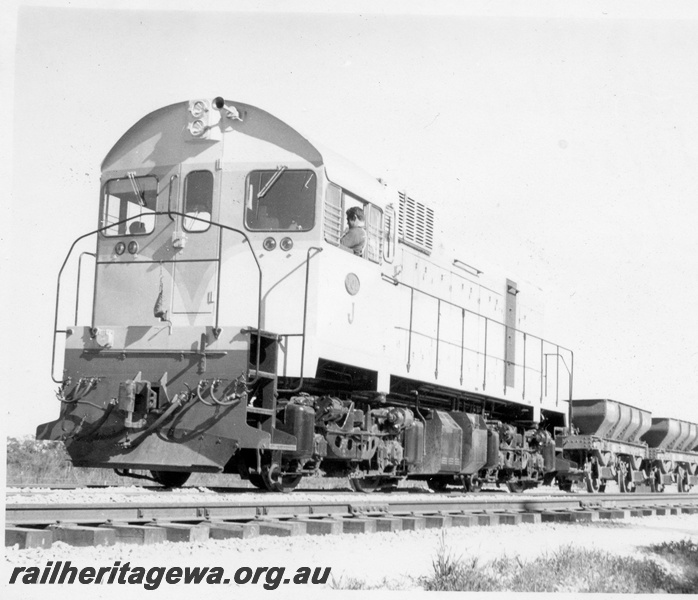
(218, 279)
(305, 317)
(172, 186)
(468, 268)
(570, 371)
(438, 336)
(487, 320)
(77, 287)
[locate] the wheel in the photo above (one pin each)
(515, 486)
(564, 485)
(274, 481)
(437, 484)
(472, 483)
(366, 485)
(388, 485)
(257, 481)
(594, 484)
(682, 485)
(171, 479)
(656, 484)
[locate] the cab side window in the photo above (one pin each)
(374, 227)
(337, 203)
(334, 215)
(198, 200)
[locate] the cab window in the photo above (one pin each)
(198, 200)
(337, 203)
(280, 199)
(374, 230)
(129, 205)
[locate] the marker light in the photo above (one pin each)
(286, 244)
(197, 109)
(120, 248)
(269, 244)
(197, 128)
(133, 247)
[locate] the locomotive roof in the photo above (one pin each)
(339, 170)
(352, 178)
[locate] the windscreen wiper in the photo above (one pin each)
(136, 188)
(272, 181)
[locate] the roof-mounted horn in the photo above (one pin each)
(226, 110)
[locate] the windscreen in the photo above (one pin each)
(129, 204)
(280, 199)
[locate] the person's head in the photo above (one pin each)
(355, 216)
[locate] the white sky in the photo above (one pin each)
(558, 140)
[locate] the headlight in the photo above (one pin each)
(269, 244)
(120, 248)
(133, 247)
(286, 244)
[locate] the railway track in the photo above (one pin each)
(39, 524)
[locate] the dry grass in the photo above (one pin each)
(40, 462)
(571, 570)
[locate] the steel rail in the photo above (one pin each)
(134, 512)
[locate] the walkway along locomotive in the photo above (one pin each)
(231, 332)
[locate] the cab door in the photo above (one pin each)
(195, 242)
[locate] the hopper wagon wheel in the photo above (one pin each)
(275, 481)
(366, 485)
(655, 479)
(257, 481)
(472, 483)
(595, 485)
(438, 484)
(624, 478)
(516, 486)
(171, 479)
(682, 485)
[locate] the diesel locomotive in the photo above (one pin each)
(230, 331)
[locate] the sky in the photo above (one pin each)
(557, 142)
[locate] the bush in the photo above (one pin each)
(568, 570)
(456, 574)
(44, 462)
(684, 555)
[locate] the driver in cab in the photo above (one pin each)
(354, 237)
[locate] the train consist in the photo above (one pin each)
(232, 330)
(611, 441)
